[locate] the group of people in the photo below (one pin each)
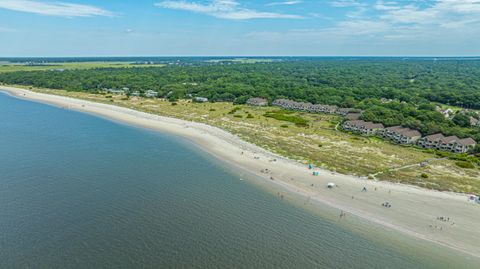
(387, 205)
(445, 219)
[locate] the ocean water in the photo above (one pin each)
(78, 191)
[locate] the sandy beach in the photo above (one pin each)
(413, 212)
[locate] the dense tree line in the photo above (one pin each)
(412, 85)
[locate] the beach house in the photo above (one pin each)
(360, 126)
(115, 91)
(200, 99)
(151, 94)
(464, 145)
(474, 122)
(343, 111)
(430, 141)
(353, 116)
(401, 135)
(448, 143)
(407, 136)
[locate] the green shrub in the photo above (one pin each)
(238, 116)
(284, 126)
(235, 109)
(249, 116)
(279, 115)
(174, 104)
(423, 175)
(463, 164)
(212, 109)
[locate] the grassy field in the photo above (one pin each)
(13, 67)
(317, 141)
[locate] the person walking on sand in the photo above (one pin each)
(364, 189)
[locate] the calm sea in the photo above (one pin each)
(78, 191)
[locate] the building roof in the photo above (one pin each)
(411, 133)
(434, 137)
(467, 142)
(473, 121)
(394, 128)
(449, 139)
(353, 116)
(371, 125)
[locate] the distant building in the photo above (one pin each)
(135, 93)
(474, 122)
(353, 116)
(200, 99)
(407, 136)
(457, 145)
(343, 111)
(257, 102)
(465, 145)
(360, 126)
(448, 113)
(151, 94)
(401, 135)
(115, 91)
(430, 141)
(308, 107)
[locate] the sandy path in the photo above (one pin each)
(414, 210)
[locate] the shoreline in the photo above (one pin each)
(414, 210)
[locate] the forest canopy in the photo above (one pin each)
(412, 86)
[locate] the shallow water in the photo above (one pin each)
(78, 191)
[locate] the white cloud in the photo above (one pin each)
(61, 9)
(413, 27)
(381, 5)
(285, 3)
(224, 9)
(347, 3)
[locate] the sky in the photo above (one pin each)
(50, 28)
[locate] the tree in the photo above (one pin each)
(461, 119)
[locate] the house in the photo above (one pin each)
(360, 126)
(448, 143)
(135, 93)
(430, 141)
(474, 122)
(352, 125)
(257, 102)
(353, 116)
(343, 111)
(371, 128)
(390, 131)
(151, 94)
(407, 136)
(115, 91)
(448, 113)
(200, 99)
(464, 145)
(401, 135)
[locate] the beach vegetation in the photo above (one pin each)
(464, 164)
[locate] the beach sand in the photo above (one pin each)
(413, 212)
